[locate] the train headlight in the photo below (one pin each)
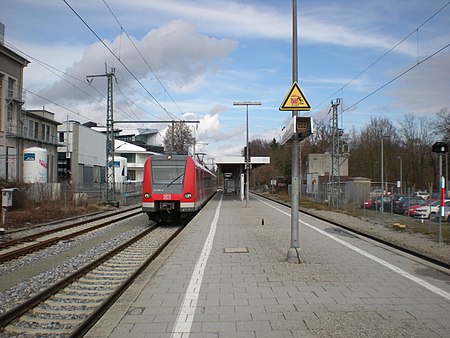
(187, 195)
(147, 195)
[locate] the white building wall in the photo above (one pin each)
(86, 150)
(92, 147)
(321, 164)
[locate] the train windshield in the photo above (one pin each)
(168, 172)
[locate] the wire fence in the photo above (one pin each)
(80, 195)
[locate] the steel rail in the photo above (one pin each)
(46, 243)
(90, 218)
(89, 322)
(27, 305)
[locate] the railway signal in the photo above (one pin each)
(440, 148)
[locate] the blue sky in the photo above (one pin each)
(193, 59)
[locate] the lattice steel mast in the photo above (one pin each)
(110, 187)
(335, 156)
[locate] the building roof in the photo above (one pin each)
(126, 147)
(13, 56)
(43, 115)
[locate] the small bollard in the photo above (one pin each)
(262, 221)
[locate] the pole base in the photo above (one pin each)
(295, 255)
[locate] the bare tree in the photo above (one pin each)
(442, 125)
(365, 145)
(417, 138)
(178, 138)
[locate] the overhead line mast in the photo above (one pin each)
(339, 150)
(110, 189)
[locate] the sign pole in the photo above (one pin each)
(442, 206)
(294, 252)
(440, 148)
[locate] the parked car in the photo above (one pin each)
(366, 204)
(411, 210)
(375, 193)
(446, 213)
(382, 203)
(401, 208)
(397, 199)
(430, 211)
(422, 193)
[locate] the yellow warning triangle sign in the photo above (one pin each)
(295, 100)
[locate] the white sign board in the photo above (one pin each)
(288, 131)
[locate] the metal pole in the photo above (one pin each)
(294, 251)
(246, 159)
(109, 168)
(382, 181)
(441, 208)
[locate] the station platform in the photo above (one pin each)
(227, 275)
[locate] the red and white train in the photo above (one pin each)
(175, 187)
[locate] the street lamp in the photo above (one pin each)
(382, 179)
(247, 158)
(401, 174)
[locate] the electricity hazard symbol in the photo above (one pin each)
(295, 100)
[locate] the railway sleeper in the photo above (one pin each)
(95, 281)
(104, 276)
(88, 290)
(41, 319)
(66, 306)
(66, 297)
(74, 312)
(32, 331)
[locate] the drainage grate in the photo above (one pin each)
(236, 250)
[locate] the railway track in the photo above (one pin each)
(30, 243)
(72, 305)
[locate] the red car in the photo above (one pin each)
(412, 209)
(367, 204)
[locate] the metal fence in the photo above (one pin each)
(78, 195)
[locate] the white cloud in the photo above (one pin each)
(425, 90)
(176, 52)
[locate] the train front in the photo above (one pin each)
(168, 187)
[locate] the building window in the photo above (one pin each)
(30, 129)
(1, 96)
(36, 130)
(10, 88)
(61, 136)
(47, 133)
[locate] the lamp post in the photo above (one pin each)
(382, 179)
(401, 174)
(247, 158)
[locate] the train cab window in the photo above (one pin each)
(168, 173)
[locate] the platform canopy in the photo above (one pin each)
(237, 164)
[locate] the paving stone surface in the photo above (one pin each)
(344, 287)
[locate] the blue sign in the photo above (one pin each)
(29, 157)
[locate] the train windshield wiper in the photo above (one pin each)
(174, 180)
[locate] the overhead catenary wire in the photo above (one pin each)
(141, 55)
(416, 30)
(397, 77)
(154, 99)
(64, 76)
(57, 104)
